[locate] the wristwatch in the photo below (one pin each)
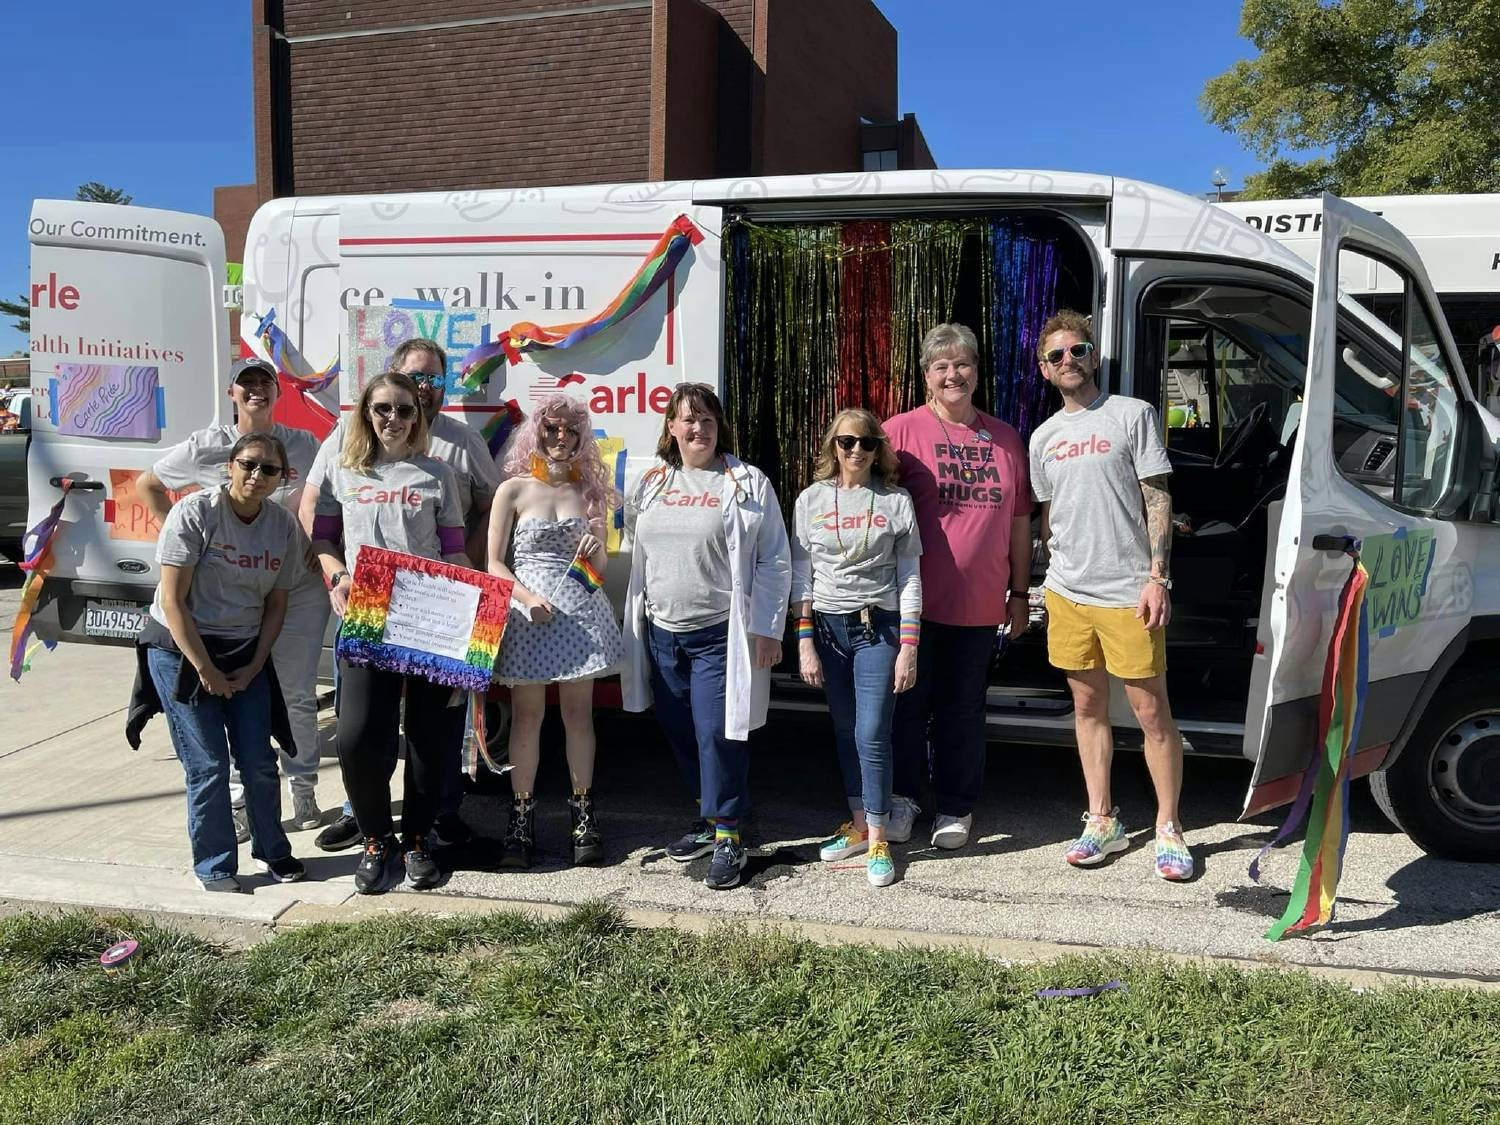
(337, 578)
(1164, 583)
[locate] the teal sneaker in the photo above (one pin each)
(1174, 862)
(1102, 837)
(880, 869)
(847, 841)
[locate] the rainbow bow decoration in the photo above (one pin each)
(276, 343)
(658, 265)
(1325, 785)
(37, 564)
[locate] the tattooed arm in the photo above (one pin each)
(1155, 606)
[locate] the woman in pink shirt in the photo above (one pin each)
(967, 475)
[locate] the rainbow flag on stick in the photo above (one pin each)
(499, 428)
(1325, 785)
(37, 564)
(582, 571)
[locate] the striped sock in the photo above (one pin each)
(726, 829)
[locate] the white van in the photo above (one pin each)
(1458, 239)
(1315, 427)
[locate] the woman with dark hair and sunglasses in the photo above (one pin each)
(385, 491)
(857, 593)
(710, 573)
(227, 560)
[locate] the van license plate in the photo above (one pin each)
(113, 619)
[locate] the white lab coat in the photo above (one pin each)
(761, 579)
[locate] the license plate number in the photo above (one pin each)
(113, 619)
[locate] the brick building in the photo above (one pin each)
(411, 95)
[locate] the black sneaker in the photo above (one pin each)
(699, 840)
(449, 831)
(421, 871)
(342, 833)
(369, 876)
(288, 870)
(729, 860)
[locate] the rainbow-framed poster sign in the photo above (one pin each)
(423, 618)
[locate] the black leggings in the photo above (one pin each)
(369, 723)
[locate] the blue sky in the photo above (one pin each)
(160, 106)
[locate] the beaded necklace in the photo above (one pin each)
(968, 474)
(838, 523)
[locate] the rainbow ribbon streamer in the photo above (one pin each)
(498, 429)
(37, 564)
(655, 268)
(1325, 785)
(362, 636)
(476, 748)
(276, 344)
(582, 571)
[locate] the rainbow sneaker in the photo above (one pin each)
(1102, 837)
(880, 869)
(1173, 860)
(847, 841)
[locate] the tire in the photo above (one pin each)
(1444, 789)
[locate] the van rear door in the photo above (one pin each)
(129, 354)
(1385, 459)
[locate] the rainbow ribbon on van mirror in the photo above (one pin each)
(658, 265)
(1325, 785)
(36, 564)
(501, 425)
(276, 344)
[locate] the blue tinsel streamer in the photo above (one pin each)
(1025, 295)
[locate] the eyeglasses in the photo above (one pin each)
(264, 468)
(404, 410)
(1053, 356)
(423, 379)
(869, 444)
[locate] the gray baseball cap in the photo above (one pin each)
(262, 367)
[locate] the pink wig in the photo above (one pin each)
(599, 495)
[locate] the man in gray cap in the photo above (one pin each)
(200, 462)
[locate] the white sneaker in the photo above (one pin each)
(305, 811)
(951, 832)
(904, 813)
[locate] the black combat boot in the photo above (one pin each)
(520, 834)
(588, 844)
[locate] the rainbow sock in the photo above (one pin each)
(726, 829)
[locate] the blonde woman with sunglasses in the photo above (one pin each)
(385, 491)
(857, 595)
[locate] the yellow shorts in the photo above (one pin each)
(1082, 637)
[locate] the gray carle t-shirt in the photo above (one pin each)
(462, 448)
(680, 529)
(853, 537)
(1088, 465)
(236, 564)
(398, 505)
(202, 460)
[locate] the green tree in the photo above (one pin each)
(19, 310)
(1365, 97)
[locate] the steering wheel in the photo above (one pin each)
(1239, 435)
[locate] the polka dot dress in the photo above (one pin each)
(582, 639)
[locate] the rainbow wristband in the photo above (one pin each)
(911, 630)
(804, 628)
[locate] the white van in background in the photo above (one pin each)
(1458, 239)
(1320, 428)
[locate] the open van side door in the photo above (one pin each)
(1387, 458)
(129, 354)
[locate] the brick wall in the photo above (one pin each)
(684, 119)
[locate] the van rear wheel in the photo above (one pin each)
(1444, 789)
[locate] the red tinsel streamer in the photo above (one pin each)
(864, 377)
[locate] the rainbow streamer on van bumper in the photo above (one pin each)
(36, 564)
(1325, 785)
(362, 636)
(658, 265)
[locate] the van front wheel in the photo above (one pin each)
(1444, 789)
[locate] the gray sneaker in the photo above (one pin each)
(904, 813)
(225, 884)
(305, 811)
(241, 824)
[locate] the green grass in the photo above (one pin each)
(498, 1018)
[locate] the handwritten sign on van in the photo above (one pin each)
(376, 331)
(107, 400)
(1399, 565)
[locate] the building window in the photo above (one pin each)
(883, 160)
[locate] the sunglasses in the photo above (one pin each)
(405, 411)
(869, 444)
(1053, 356)
(423, 379)
(264, 468)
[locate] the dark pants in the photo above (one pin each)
(938, 730)
(687, 679)
(369, 725)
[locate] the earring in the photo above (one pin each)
(538, 467)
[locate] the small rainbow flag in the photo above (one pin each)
(582, 571)
(1325, 785)
(499, 428)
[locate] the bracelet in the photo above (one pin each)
(911, 631)
(804, 628)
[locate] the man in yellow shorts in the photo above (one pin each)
(1099, 469)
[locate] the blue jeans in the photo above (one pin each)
(687, 679)
(938, 730)
(205, 733)
(858, 669)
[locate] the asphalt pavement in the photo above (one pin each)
(86, 821)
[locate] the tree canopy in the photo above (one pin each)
(1365, 97)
